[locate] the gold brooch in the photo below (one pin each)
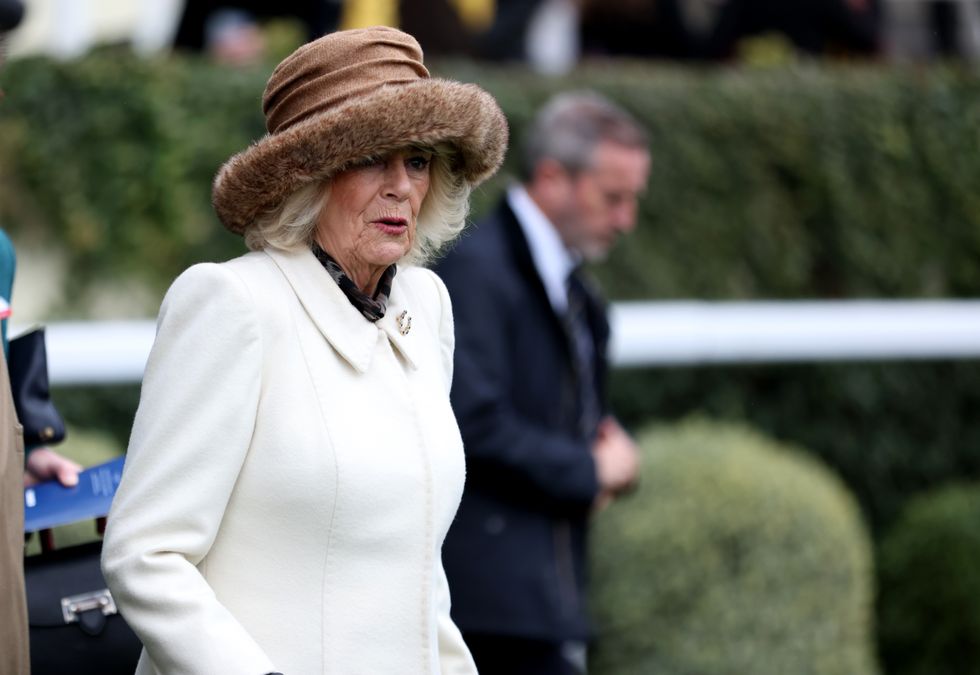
(404, 322)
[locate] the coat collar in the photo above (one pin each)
(521, 255)
(521, 252)
(345, 328)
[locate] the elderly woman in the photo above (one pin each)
(295, 464)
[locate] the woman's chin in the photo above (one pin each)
(390, 252)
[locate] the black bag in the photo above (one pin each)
(74, 625)
(28, 364)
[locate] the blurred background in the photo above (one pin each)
(796, 515)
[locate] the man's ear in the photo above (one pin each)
(549, 182)
(549, 171)
(550, 187)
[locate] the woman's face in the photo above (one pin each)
(369, 219)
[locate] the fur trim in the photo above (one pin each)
(428, 111)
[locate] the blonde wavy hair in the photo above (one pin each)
(441, 218)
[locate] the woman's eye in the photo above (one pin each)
(418, 162)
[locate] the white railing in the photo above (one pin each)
(644, 334)
(686, 333)
(98, 352)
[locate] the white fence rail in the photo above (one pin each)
(98, 352)
(644, 334)
(685, 333)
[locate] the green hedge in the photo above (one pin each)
(112, 157)
(736, 555)
(929, 605)
(791, 183)
(799, 182)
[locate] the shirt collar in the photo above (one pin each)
(552, 260)
(372, 307)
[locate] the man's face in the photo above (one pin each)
(602, 201)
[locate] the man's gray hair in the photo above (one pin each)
(568, 128)
(441, 218)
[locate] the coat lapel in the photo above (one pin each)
(341, 324)
(596, 309)
(344, 327)
(521, 252)
(395, 325)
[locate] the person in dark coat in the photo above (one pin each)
(11, 13)
(528, 391)
(815, 27)
(229, 30)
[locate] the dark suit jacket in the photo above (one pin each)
(515, 555)
(11, 12)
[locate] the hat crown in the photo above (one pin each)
(337, 68)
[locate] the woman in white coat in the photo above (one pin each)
(295, 464)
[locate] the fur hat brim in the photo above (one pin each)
(429, 111)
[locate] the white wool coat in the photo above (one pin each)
(291, 475)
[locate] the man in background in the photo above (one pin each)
(529, 389)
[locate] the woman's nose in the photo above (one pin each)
(397, 184)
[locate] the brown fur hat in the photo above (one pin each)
(350, 95)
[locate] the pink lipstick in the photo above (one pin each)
(392, 225)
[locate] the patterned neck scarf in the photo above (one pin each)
(372, 308)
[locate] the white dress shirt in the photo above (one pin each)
(552, 260)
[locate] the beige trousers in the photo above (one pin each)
(14, 655)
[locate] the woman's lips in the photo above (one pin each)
(392, 225)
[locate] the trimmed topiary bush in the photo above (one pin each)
(929, 599)
(736, 555)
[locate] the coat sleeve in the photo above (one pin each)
(190, 438)
(554, 466)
